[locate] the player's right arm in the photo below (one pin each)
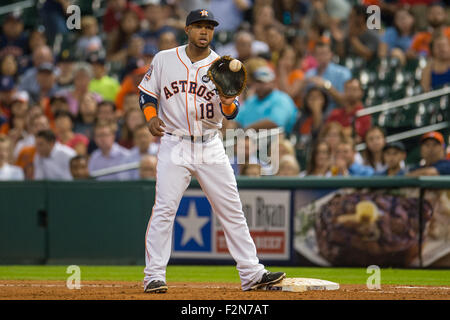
(148, 106)
(148, 98)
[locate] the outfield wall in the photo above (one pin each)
(403, 222)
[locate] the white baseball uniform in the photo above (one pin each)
(189, 106)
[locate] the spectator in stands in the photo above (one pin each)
(345, 165)
(8, 171)
(56, 103)
(28, 81)
(132, 119)
(114, 12)
(102, 84)
(144, 144)
(15, 127)
(276, 40)
(65, 63)
(34, 122)
(36, 39)
(328, 75)
(351, 103)
(131, 101)
(437, 24)
(229, 13)
(148, 53)
(373, 155)
(82, 78)
(65, 135)
(13, 39)
(319, 163)
(243, 47)
(9, 67)
(263, 17)
(268, 107)
(147, 167)
(312, 116)
(289, 75)
(89, 41)
(394, 155)
(167, 40)
(54, 17)
(130, 84)
(84, 123)
(397, 39)
(109, 153)
(359, 41)
(79, 167)
(156, 21)
(432, 151)
(332, 133)
(106, 111)
(290, 13)
(46, 79)
(436, 74)
(119, 39)
(52, 158)
(244, 153)
(7, 90)
(251, 170)
(288, 167)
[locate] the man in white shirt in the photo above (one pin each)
(109, 153)
(52, 158)
(7, 171)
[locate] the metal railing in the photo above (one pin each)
(401, 103)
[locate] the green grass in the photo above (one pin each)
(226, 274)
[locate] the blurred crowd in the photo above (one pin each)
(69, 98)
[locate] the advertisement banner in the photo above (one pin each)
(436, 244)
(361, 227)
(198, 233)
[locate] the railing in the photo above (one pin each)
(401, 103)
(17, 6)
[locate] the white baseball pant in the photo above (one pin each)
(178, 159)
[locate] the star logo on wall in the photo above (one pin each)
(192, 225)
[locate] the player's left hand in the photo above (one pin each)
(227, 101)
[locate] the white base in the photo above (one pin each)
(302, 284)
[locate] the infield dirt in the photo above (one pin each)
(112, 290)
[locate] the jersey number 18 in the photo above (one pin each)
(208, 109)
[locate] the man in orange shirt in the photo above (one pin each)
(436, 17)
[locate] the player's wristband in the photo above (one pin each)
(228, 109)
(149, 113)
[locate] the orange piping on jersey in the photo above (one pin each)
(195, 96)
(187, 79)
(149, 92)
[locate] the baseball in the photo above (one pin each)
(235, 65)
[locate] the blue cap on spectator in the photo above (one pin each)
(6, 83)
(149, 50)
(264, 74)
(395, 145)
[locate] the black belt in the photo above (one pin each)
(201, 139)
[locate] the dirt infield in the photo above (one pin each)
(108, 290)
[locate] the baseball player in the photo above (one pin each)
(182, 106)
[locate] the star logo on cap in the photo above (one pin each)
(204, 13)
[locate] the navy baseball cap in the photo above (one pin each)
(149, 50)
(6, 83)
(395, 145)
(201, 15)
(96, 57)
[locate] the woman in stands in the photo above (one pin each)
(373, 154)
(437, 72)
(397, 39)
(319, 163)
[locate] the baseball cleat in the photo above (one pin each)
(156, 286)
(268, 278)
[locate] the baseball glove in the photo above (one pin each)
(229, 83)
